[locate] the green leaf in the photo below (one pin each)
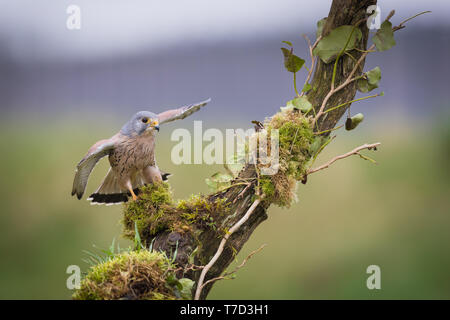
(112, 246)
(353, 122)
(292, 63)
(137, 238)
(221, 177)
(172, 281)
(374, 75)
(384, 38)
(300, 103)
(235, 167)
(192, 255)
(288, 43)
(218, 180)
(306, 87)
(211, 184)
(186, 291)
(316, 144)
(330, 46)
(370, 80)
(236, 162)
(320, 25)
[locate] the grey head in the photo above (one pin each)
(143, 122)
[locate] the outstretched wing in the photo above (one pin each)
(85, 166)
(180, 113)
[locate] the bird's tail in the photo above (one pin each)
(110, 192)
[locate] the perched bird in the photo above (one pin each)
(131, 156)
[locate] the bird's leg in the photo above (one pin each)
(130, 188)
(133, 195)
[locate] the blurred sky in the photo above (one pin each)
(152, 55)
(113, 27)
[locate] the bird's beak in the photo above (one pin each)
(155, 125)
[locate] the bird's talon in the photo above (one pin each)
(133, 194)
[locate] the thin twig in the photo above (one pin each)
(333, 77)
(402, 24)
(348, 102)
(348, 154)
(295, 85)
(390, 15)
(295, 137)
(349, 80)
(237, 268)
(216, 256)
(313, 59)
(329, 130)
(321, 148)
(241, 194)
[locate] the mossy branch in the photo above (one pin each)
(210, 230)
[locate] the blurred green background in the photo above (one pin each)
(355, 214)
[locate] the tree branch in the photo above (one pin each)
(343, 156)
(222, 245)
(215, 250)
(224, 276)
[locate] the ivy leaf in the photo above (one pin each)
(236, 162)
(384, 38)
(172, 280)
(292, 63)
(353, 122)
(370, 80)
(306, 87)
(331, 45)
(320, 25)
(287, 108)
(316, 144)
(218, 180)
(300, 103)
(186, 291)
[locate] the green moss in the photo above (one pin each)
(201, 212)
(267, 186)
(295, 139)
(158, 193)
(131, 275)
(155, 211)
(152, 212)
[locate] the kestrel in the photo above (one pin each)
(131, 156)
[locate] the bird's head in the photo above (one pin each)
(143, 122)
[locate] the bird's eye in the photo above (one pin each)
(144, 120)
